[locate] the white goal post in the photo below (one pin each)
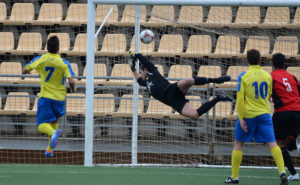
(90, 56)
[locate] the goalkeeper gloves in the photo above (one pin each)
(132, 61)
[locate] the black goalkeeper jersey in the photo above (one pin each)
(155, 83)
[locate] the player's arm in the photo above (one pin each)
(240, 102)
(72, 85)
(31, 65)
(149, 65)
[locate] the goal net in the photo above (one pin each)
(120, 123)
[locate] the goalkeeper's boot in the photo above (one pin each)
(223, 79)
(49, 153)
(54, 138)
(294, 177)
(230, 180)
(283, 179)
(222, 96)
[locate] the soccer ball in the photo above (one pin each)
(147, 36)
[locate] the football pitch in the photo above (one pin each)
(11, 174)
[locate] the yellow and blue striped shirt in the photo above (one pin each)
(253, 92)
(53, 71)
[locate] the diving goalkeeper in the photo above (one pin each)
(173, 94)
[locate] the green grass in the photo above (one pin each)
(79, 175)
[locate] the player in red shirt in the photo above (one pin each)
(286, 119)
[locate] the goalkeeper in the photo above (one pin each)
(173, 94)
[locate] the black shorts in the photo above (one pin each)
(286, 123)
(175, 98)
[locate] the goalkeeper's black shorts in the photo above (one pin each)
(286, 123)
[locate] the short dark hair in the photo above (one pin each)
(278, 60)
(253, 57)
(53, 44)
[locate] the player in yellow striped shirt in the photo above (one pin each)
(53, 71)
(254, 119)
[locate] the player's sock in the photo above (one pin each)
(54, 126)
(288, 161)
(46, 128)
(236, 159)
(201, 80)
(219, 80)
(206, 106)
(277, 156)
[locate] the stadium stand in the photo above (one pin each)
(17, 103)
(222, 111)
(102, 11)
(74, 104)
(247, 17)
(294, 70)
(295, 24)
(234, 72)
(227, 47)
(3, 12)
(158, 110)
(7, 42)
(120, 70)
(126, 105)
(190, 16)
(128, 18)
(76, 15)
(209, 71)
(80, 44)
(29, 44)
(198, 46)
(50, 14)
(159, 17)
(169, 46)
(99, 70)
(287, 45)
(180, 71)
(261, 43)
(113, 45)
(104, 105)
(10, 68)
(21, 14)
(64, 42)
(219, 16)
(276, 17)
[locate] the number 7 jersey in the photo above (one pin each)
(253, 92)
(285, 91)
(53, 71)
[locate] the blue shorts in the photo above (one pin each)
(260, 129)
(49, 110)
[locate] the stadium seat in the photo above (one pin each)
(99, 70)
(120, 70)
(247, 17)
(145, 49)
(64, 42)
(30, 43)
(75, 104)
(80, 44)
(294, 71)
(296, 21)
(234, 72)
(157, 109)
(219, 16)
(287, 45)
(276, 17)
(76, 15)
(113, 45)
(222, 111)
(21, 14)
(104, 104)
(126, 106)
(128, 18)
(180, 71)
(161, 16)
(31, 80)
(16, 103)
(33, 111)
(169, 46)
(209, 72)
(50, 14)
(101, 13)
(3, 12)
(198, 46)
(227, 47)
(260, 43)
(12, 68)
(190, 16)
(7, 42)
